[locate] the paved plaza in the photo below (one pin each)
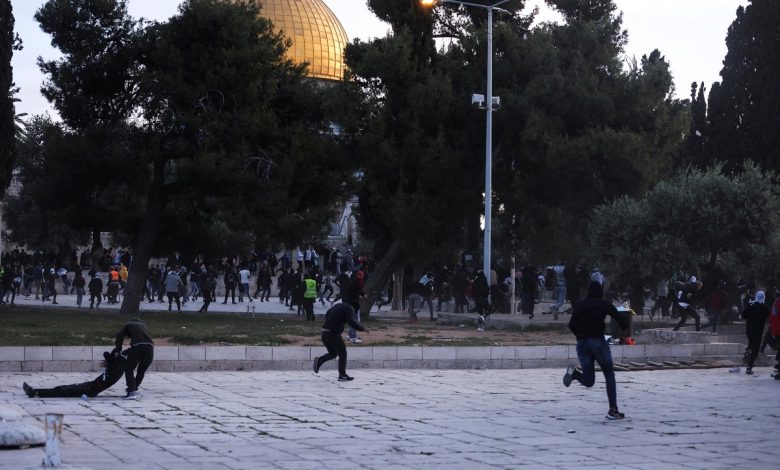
(411, 419)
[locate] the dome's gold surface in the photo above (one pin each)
(318, 38)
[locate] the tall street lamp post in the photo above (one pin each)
(489, 107)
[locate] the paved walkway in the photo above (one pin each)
(398, 419)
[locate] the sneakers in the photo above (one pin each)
(749, 371)
(615, 414)
(355, 340)
(345, 378)
(28, 390)
(131, 396)
(316, 364)
(569, 375)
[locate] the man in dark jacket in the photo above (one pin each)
(587, 324)
(95, 290)
(140, 354)
(113, 368)
(335, 319)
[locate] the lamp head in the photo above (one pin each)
(428, 3)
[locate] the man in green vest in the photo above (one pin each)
(309, 296)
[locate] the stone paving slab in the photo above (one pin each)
(411, 419)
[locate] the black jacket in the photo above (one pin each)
(136, 330)
(337, 317)
(755, 316)
(587, 318)
(95, 285)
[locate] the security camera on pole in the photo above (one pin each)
(480, 101)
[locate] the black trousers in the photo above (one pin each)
(334, 343)
(93, 296)
(140, 356)
(754, 344)
(90, 389)
(230, 289)
(684, 313)
(173, 297)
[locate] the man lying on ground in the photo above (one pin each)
(113, 369)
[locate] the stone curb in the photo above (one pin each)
(226, 358)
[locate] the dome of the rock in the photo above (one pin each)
(317, 36)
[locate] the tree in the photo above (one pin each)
(223, 133)
(745, 105)
(8, 43)
(697, 135)
(689, 220)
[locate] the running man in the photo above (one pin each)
(587, 324)
(335, 319)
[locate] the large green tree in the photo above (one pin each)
(745, 106)
(224, 135)
(576, 127)
(8, 42)
(692, 219)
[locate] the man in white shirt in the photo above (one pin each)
(243, 279)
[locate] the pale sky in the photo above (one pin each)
(689, 33)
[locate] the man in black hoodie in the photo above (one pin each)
(140, 354)
(113, 368)
(335, 319)
(587, 324)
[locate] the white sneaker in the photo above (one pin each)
(357, 340)
(479, 328)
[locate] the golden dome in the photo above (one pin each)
(318, 38)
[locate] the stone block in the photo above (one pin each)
(97, 352)
(192, 353)
(10, 366)
(359, 353)
(502, 352)
(164, 366)
(447, 364)
(81, 366)
(225, 353)
(511, 363)
(556, 352)
(682, 351)
(554, 363)
(384, 353)
(438, 353)
(12, 353)
(166, 353)
(480, 353)
(56, 366)
(71, 353)
(259, 353)
(409, 363)
(259, 365)
(232, 365)
(530, 352)
(37, 353)
(32, 366)
(194, 366)
(531, 363)
(636, 351)
(291, 353)
(410, 352)
(573, 352)
(699, 349)
(657, 350)
(723, 349)
(291, 364)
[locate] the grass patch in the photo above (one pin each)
(69, 327)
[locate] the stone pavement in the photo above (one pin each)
(411, 419)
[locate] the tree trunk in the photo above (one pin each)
(398, 289)
(96, 251)
(378, 279)
(142, 251)
(713, 258)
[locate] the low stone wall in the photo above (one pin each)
(195, 358)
